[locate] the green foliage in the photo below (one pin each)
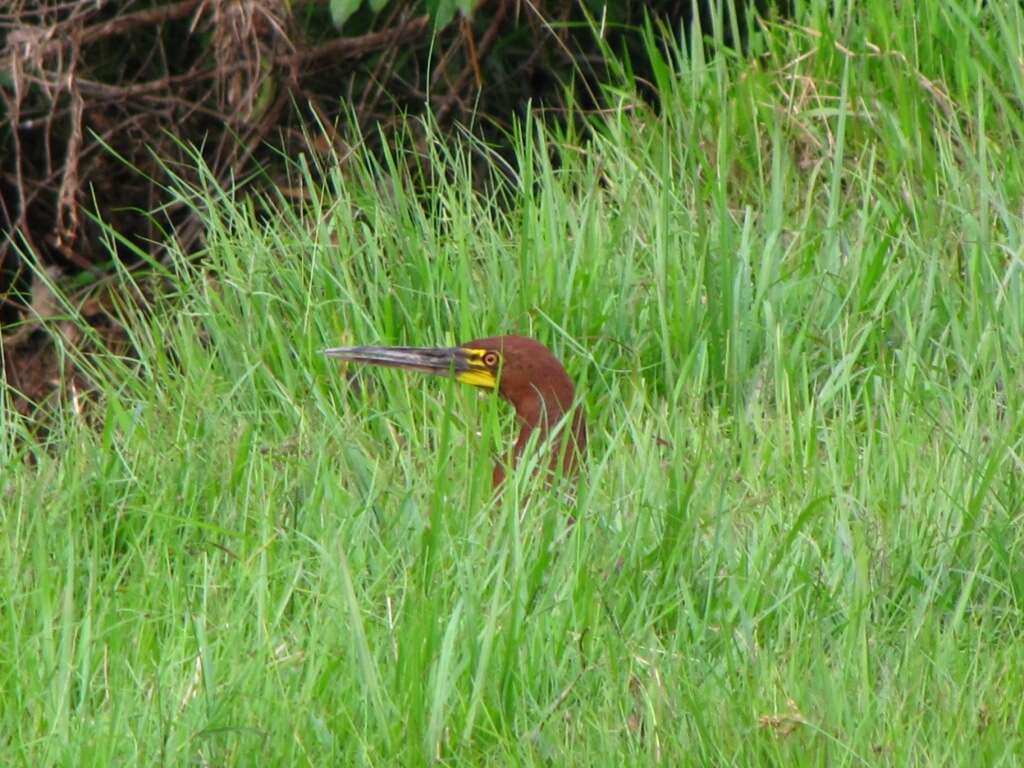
(441, 12)
(341, 10)
(793, 299)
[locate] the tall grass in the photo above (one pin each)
(791, 295)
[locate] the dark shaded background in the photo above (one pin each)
(91, 97)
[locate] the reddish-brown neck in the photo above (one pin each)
(542, 407)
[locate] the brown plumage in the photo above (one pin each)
(524, 372)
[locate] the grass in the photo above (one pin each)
(793, 300)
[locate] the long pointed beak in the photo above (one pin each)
(447, 361)
(464, 363)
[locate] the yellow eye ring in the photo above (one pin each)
(490, 359)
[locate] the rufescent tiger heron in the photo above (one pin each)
(522, 370)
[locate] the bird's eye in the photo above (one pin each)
(491, 359)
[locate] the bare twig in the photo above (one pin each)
(363, 45)
(486, 42)
(67, 197)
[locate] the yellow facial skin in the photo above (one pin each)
(479, 375)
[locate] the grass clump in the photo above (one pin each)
(792, 298)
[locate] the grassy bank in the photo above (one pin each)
(792, 298)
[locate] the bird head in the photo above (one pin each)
(522, 370)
